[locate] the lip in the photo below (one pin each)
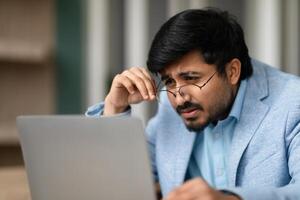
(189, 113)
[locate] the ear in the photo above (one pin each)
(233, 71)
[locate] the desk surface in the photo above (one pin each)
(13, 184)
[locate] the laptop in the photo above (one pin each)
(76, 158)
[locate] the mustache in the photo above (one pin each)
(188, 105)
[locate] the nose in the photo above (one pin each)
(181, 97)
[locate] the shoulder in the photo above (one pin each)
(279, 86)
(272, 74)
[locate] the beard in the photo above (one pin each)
(218, 111)
(191, 123)
(194, 127)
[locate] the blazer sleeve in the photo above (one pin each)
(97, 111)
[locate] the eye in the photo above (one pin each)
(191, 78)
(169, 83)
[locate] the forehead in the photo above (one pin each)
(191, 62)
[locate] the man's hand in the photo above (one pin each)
(198, 189)
(130, 87)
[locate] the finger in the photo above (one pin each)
(177, 194)
(194, 184)
(149, 82)
(123, 81)
(147, 73)
(138, 82)
(141, 71)
(172, 195)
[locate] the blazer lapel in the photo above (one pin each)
(185, 142)
(243, 133)
(254, 111)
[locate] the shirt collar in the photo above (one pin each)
(239, 100)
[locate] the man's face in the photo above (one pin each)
(199, 107)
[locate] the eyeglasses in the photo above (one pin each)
(182, 90)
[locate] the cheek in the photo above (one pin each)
(203, 98)
(214, 98)
(172, 100)
(221, 102)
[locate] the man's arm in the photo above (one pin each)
(132, 86)
(98, 109)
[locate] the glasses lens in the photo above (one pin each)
(188, 89)
(183, 90)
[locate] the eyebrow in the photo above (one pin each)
(181, 74)
(188, 73)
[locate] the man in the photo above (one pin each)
(227, 127)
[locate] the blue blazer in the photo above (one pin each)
(265, 151)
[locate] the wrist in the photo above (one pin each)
(112, 109)
(233, 197)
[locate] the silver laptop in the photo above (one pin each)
(76, 158)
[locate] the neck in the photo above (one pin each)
(232, 99)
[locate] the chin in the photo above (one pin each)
(195, 125)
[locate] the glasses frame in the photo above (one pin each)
(178, 89)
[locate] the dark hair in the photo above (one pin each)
(214, 33)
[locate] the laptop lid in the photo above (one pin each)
(75, 158)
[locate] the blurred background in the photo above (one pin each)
(59, 56)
